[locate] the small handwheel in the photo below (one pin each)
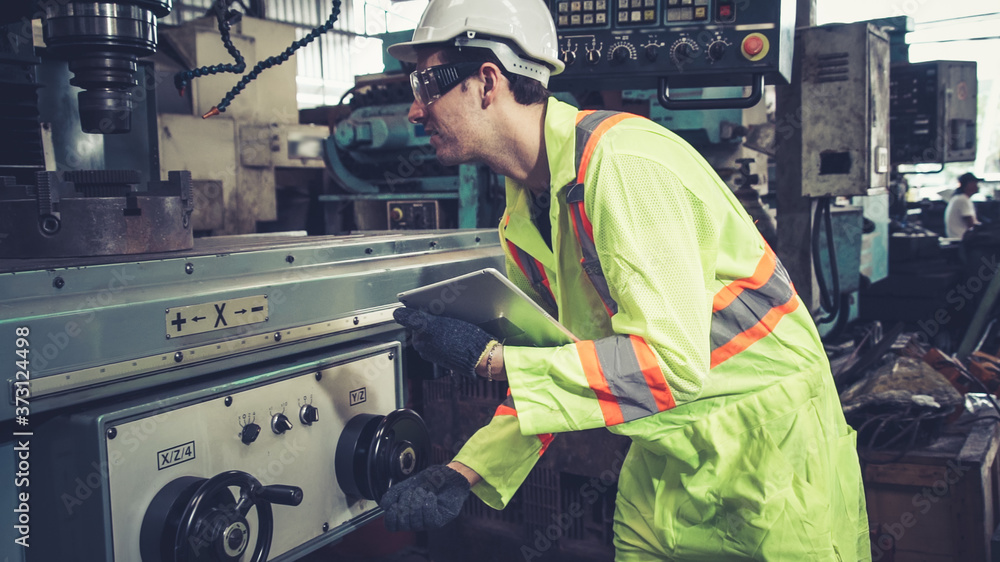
(375, 452)
(194, 520)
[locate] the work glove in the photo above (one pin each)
(449, 343)
(427, 500)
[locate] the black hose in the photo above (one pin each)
(225, 19)
(278, 59)
(829, 303)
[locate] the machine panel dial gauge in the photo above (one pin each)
(621, 52)
(683, 52)
(593, 56)
(717, 49)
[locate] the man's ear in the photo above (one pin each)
(492, 78)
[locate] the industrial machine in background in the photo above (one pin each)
(933, 112)
(181, 398)
(833, 171)
(385, 168)
(659, 44)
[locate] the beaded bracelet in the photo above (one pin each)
(489, 359)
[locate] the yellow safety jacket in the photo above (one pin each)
(683, 313)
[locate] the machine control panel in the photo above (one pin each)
(632, 44)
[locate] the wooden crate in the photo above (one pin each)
(938, 503)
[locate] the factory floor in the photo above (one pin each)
(407, 554)
(372, 543)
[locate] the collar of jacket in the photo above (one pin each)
(560, 144)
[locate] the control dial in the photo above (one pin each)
(280, 423)
(683, 52)
(717, 49)
(593, 56)
(621, 53)
(568, 57)
(249, 433)
(308, 414)
(652, 51)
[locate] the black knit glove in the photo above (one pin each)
(452, 344)
(427, 500)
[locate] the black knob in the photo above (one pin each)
(651, 52)
(619, 55)
(249, 433)
(280, 423)
(568, 57)
(717, 50)
(683, 51)
(593, 57)
(308, 414)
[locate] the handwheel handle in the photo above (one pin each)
(280, 494)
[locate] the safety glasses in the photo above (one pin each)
(433, 82)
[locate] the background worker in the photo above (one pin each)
(693, 342)
(960, 214)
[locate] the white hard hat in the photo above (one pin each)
(488, 24)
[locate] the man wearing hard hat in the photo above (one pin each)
(693, 341)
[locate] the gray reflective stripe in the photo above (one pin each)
(625, 379)
(591, 262)
(750, 306)
(535, 276)
(585, 128)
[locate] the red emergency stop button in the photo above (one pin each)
(754, 46)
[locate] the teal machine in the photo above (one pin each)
(172, 398)
(384, 166)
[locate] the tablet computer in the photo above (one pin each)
(489, 300)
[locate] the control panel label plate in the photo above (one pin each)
(175, 455)
(359, 396)
(219, 315)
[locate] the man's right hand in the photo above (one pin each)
(427, 500)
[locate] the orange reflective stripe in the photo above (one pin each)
(595, 137)
(545, 438)
(764, 271)
(598, 384)
(757, 332)
(508, 410)
(587, 227)
(545, 278)
(652, 373)
(505, 410)
(581, 114)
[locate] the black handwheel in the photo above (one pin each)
(374, 452)
(193, 519)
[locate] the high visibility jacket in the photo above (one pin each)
(680, 306)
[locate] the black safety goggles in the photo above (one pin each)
(433, 82)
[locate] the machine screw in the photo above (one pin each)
(178, 357)
(277, 336)
(326, 527)
(356, 321)
(50, 224)
(434, 243)
(478, 239)
(228, 401)
(112, 433)
(189, 268)
(319, 376)
(392, 355)
(369, 251)
(290, 258)
(58, 283)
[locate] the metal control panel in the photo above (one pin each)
(632, 44)
(933, 112)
